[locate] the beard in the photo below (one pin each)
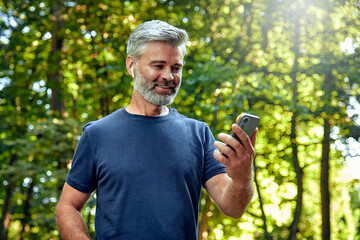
(146, 88)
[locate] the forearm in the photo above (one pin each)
(70, 223)
(234, 190)
(235, 198)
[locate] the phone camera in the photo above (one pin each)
(245, 120)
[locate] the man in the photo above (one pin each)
(147, 162)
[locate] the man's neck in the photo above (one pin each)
(139, 106)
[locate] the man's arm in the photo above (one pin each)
(233, 191)
(68, 214)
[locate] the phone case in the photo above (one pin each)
(248, 123)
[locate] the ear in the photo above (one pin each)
(130, 65)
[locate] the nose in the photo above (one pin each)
(167, 75)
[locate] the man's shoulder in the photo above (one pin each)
(189, 120)
(104, 122)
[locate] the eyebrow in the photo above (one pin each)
(164, 62)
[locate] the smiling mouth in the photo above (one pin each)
(165, 87)
(167, 90)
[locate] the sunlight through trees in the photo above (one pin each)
(294, 63)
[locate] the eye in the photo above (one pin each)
(159, 66)
(176, 69)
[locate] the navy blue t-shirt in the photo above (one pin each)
(148, 173)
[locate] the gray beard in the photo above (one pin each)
(147, 90)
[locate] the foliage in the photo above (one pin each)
(293, 63)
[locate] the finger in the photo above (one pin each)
(229, 140)
(221, 158)
(243, 137)
(253, 141)
(225, 149)
(253, 137)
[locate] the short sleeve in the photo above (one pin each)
(82, 175)
(211, 166)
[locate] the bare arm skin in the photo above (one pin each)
(68, 214)
(233, 191)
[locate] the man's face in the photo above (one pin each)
(158, 73)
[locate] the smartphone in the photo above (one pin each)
(248, 123)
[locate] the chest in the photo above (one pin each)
(143, 154)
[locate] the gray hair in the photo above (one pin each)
(152, 31)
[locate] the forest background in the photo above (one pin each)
(295, 63)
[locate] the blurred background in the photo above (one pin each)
(294, 63)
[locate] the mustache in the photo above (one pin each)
(165, 83)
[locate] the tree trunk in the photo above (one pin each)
(55, 74)
(6, 211)
(263, 216)
(325, 194)
(27, 207)
(325, 154)
(299, 180)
